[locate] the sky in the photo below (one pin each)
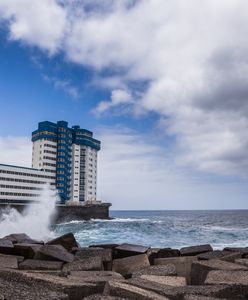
(162, 83)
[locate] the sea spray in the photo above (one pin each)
(35, 220)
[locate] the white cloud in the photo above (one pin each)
(191, 54)
(118, 97)
(64, 85)
(16, 151)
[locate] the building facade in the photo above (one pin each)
(22, 185)
(63, 157)
(71, 155)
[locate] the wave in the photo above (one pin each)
(221, 228)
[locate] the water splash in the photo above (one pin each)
(35, 220)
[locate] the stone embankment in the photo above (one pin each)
(61, 269)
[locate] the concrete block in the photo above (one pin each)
(126, 266)
(54, 252)
(126, 250)
(68, 241)
(201, 268)
(26, 250)
(84, 264)
(127, 291)
(159, 270)
(6, 246)
(182, 265)
(166, 280)
(33, 264)
(195, 250)
(8, 261)
(161, 253)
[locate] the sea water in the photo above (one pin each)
(164, 228)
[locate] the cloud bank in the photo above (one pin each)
(192, 56)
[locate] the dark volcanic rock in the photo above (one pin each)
(182, 264)
(200, 269)
(54, 252)
(126, 266)
(126, 250)
(26, 250)
(6, 246)
(122, 289)
(85, 264)
(195, 250)
(68, 241)
(166, 270)
(33, 264)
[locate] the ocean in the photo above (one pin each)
(173, 229)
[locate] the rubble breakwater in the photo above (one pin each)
(60, 269)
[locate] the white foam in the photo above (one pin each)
(35, 220)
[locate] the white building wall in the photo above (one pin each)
(18, 183)
(75, 173)
(44, 155)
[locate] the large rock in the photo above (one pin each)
(126, 266)
(242, 250)
(105, 246)
(166, 270)
(85, 264)
(18, 291)
(33, 264)
(242, 261)
(75, 288)
(6, 246)
(195, 250)
(182, 264)
(26, 250)
(82, 253)
(8, 261)
(213, 254)
(200, 269)
(126, 250)
(124, 290)
(68, 241)
(18, 238)
(166, 280)
(161, 253)
(236, 279)
(54, 252)
(178, 293)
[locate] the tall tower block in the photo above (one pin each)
(71, 155)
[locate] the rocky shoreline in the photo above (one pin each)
(61, 269)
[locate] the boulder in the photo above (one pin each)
(163, 270)
(237, 279)
(201, 268)
(68, 241)
(213, 254)
(243, 250)
(166, 280)
(26, 250)
(126, 266)
(19, 291)
(161, 253)
(104, 246)
(242, 261)
(75, 289)
(106, 254)
(178, 293)
(195, 250)
(84, 264)
(19, 258)
(18, 238)
(126, 250)
(127, 291)
(54, 252)
(6, 246)
(8, 261)
(182, 265)
(33, 264)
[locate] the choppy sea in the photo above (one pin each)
(164, 228)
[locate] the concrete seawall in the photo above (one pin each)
(66, 213)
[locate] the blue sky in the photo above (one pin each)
(168, 102)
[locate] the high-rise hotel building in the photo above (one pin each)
(62, 156)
